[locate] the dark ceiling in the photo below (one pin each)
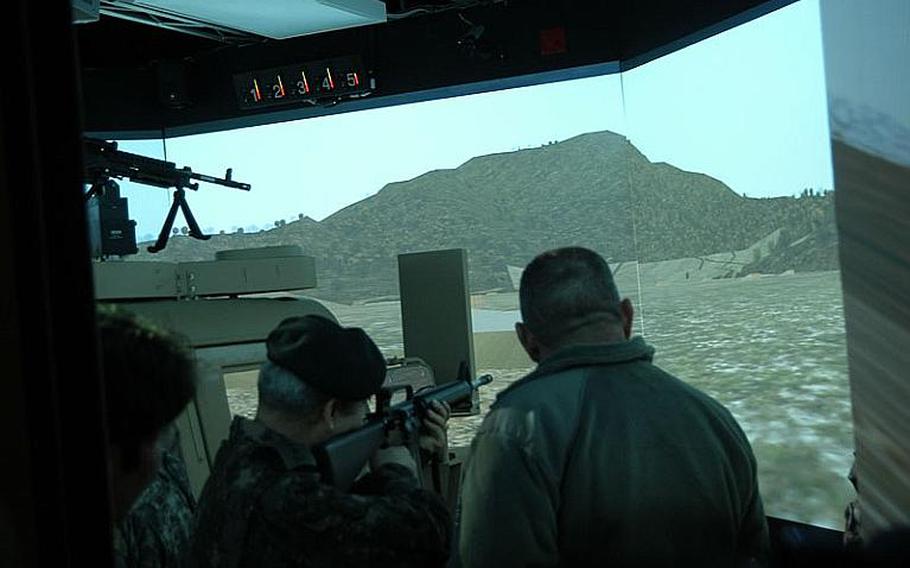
(125, 63)
(114, 43)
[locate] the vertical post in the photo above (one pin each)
(436, 312)
(18, 534)
(54, 498)
(867, 47)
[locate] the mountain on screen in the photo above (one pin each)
(595, 190)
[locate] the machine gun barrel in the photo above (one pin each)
(226, 182)
(103, 160)
(341, 458)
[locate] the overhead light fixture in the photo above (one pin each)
(277, 19)
(84, 11)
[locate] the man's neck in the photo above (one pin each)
(589, 336)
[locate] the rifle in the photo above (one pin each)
(104, 161)
(341, 458)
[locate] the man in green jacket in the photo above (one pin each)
(599, 457)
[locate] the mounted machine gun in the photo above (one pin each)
(104, 161)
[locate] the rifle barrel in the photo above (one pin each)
(220, 181)
(481, 381)
(341, 458)
(451, 393)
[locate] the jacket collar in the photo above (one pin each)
(293, 454)
(596, 354)
(589, 355)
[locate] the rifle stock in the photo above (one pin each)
(341, 458)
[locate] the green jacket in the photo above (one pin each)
(599, 457)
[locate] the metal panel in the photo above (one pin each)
(436, 311)
(210, 417)
(133, 280)
(224, 321)
(248, 276)
(233, 358)
(122, 280)
(211, 400)
(192, 446)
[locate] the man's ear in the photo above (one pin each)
(528, 341)
(628, 314)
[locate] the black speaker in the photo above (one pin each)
(173, 90)
(111, 231)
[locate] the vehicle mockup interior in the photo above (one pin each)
(394, 166)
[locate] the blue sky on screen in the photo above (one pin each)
(747, 107)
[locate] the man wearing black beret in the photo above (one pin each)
(264, 504)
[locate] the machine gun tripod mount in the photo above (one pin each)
(181, 204)
(104, 161)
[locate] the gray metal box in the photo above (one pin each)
(247, 276)
(436, 311)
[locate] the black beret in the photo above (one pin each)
(342, 362)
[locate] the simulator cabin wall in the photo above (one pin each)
(866, 50)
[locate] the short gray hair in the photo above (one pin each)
(284, 391)
(564, 290)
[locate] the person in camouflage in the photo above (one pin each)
(264, 503)
(149, 377)
(156, 530)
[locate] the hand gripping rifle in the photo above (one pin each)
(341, 458)
(104, 161)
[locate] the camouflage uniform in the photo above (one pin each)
(155, 532)
(265, 506)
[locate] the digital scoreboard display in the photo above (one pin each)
(326, 80)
